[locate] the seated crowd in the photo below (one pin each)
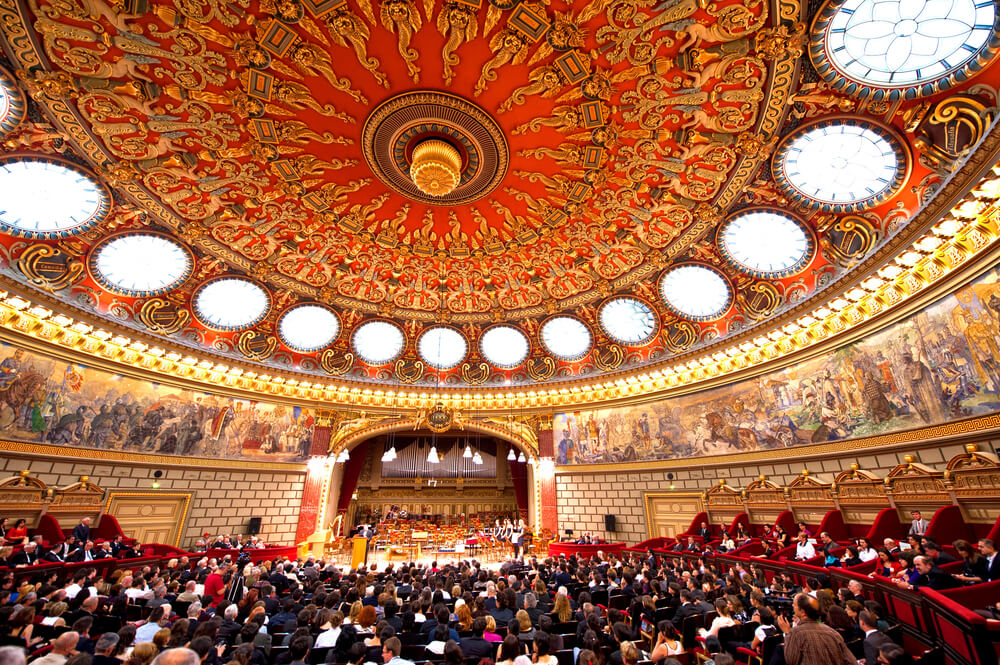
(18, 550)
(602, 610)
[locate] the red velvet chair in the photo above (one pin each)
(886, 525)
(833, 523)
(948, 525)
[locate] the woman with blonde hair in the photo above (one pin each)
(143, 653)
(53, 614)
(630, 653)
(352, 616)
(562, 611)
(490, 634)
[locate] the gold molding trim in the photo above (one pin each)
(187, 505)
(64, 452)
(980, 427)
(647, 499)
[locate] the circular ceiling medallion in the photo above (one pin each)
(766, 243)
(566, 337)
(840, 164)
(696, 291)
(394, 129)
(505, 347)
(12, 107)
(43, 197)
(628, 321)
(902, 48)
(140, 264)
(442, 347)
(378, 342)
(230, 303)
(308, 327)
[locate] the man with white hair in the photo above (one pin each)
(11, 656)
(177, 656)
(189, 595)
(854, 586)
(930, 576)
(104, 650)
(62, 647)
(229, 628)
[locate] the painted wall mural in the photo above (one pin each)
(46, 400)
(941, 364)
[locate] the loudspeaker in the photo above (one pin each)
(609, 523)
(254, 527)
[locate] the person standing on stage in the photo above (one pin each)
(507, 532)
(517, 538)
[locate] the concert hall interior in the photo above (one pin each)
(651, 287)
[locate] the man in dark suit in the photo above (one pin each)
(85, 553)
(988, 550)
(691, 546)
(475, 646)
(686, 609)
(82, 530)
(930, 576)
(104, 648)
(702, 605)
(874, 640)
(939, 558)
(704, 532)
(28, 556)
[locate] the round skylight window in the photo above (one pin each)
(504, 346)
(628, 320)
(442, 348)
(840, 165)
(231, 303)
(140, 264)
(906, 46)
(765, 243)
(566, 338)
(378, 342)
(697, 292)
(12, 106)
(45, 198)
(308, 327)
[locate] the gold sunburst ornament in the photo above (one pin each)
(436, 167)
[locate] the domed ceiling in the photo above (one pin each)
(471, 193)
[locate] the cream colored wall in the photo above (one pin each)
(584, 498)
(222, 499)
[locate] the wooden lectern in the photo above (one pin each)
(360, 549)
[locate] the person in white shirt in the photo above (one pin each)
(865, 550)
(804, 549)
(330, 631)
(158, 618)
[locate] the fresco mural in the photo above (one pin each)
(46, 400)
(942, 364)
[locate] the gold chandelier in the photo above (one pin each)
(436, 167)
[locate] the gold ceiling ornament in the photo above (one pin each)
(436, 167)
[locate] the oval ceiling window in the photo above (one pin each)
(140, 264)
(628, 321)
(566, 338)
(840, 165)
(766, 243)
(442, 348)
(504, 346)
(378, 342)
(308, 327)
(231, 303)
(47, 198)
(697, 292)
(906, 46)
(12, 106)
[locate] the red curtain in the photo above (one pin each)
(352, 471)
(519, 474)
